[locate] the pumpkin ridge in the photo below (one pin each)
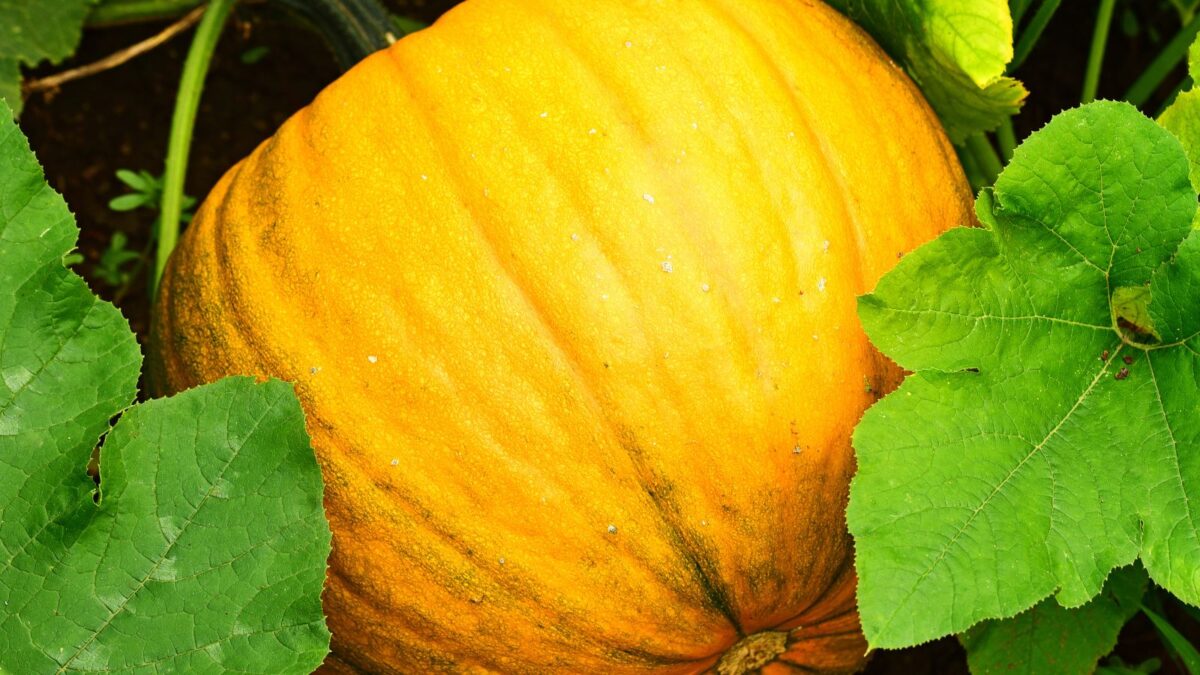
(705, 568)
(787, 234)
(851, 222)
(705, 574)
(682, 539)
(731, 295)
(236, 308)
(826, 592)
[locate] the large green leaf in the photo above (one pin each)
(32, 31)
(955, 50)
(203, 549)
(1050, 432)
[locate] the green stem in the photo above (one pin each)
(986, 160)
(1033, 32)
(974, 177)
(1162, 65)
(111, 12)
(1019, 7)
(1175, 641)
(353, 29)
(178, 144)
(1091, 79)
(1006, 138)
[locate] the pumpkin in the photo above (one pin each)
(567, 291)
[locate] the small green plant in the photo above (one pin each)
(119, 265)
(146, 192)
(254, 55)
(114, 267)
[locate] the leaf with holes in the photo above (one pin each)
(1049, 433)
(204, 547)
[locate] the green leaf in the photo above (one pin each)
(32, 31)
(1182, 117)
(203, 549)
(128, 202)
(407, 25)
(1041, 442)
(141, 181)
(1178, 644)
(254, 54)
(1053, 639)
(955, 50)
(1193, 60)
(1115, 666)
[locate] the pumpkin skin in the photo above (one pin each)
(567, 290)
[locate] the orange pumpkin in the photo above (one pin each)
(567, 290)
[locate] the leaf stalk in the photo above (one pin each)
(1091, 78)
(191, 83)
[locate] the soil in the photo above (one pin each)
(119, 119)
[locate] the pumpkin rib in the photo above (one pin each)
(851, 223)
(681, 543)
(687, 543)
(684, 541)
(719, 269)
(239, 310)
(788, 234)
(417, 508)
(715, 589)
(732, 295)
(830, 21)
(780, 80)
(827, 591)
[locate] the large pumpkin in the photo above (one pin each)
(567, 290)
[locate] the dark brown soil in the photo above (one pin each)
(120, 119)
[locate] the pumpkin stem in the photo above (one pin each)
(753, 652)
(353, 29)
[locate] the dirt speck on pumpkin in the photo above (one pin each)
(372, 358)
(612, 529)
(667, 266)
(821, 284)
(705, 288)
(648, 197)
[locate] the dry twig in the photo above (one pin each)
(52, 82)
